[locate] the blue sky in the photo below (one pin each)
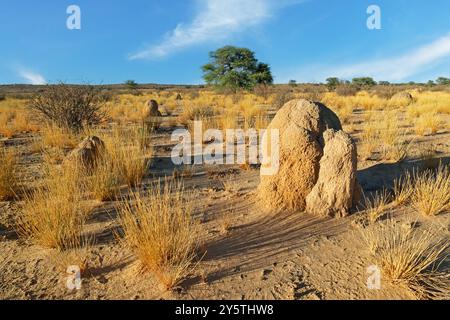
(166, 41)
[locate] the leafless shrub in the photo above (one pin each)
(71, 107)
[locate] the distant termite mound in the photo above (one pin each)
(152, 109)
(88, 152)
(317, 162)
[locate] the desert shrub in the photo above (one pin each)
(2, 97)
(53, 214)
(159, 227)
(8, 179)
(409, 257)
(385, 92)
(347, 90)
(70, 107)
(431, 194)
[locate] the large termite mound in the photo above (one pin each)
(312, 149)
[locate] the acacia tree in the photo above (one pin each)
(232, 68)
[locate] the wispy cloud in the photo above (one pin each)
(216, 20)
(398, 68)
(31, 77)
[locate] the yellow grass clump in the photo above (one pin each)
(55, 137)
(427, 123)
(8, 178)
(15, 118)
(409, 257)
(431, 194)
(126, 160)
(375, 206)
(403, 189)
(160, 229)
(53, 214)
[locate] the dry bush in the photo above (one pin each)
(410, 257)
(431, 194)
(70, 106)
(346, 90)
(160, 229)
(53, 214)
(8, 178)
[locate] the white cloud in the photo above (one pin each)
(397, 68)
(216, 20)
(32, 77)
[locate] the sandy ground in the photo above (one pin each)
(263, 255)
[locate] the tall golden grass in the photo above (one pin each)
(160, 229)
(53, 214)
(125, 162)
(431, 194)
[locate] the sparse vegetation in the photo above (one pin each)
(160, 229)
(8, 174)
(70, 107)
(409, 257)
(53, 214)
(375, 206)
(431, 194)
(157, 221)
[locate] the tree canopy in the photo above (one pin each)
(364, 81)
(234, 68)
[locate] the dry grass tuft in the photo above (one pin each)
(8, 179)
(376, 205)
(410, 258)
(159, 227)
(126, 159)
(225, 222)
(431, 194)
(53, 214)
(403, 189)
(55, 137)
(427, 123)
